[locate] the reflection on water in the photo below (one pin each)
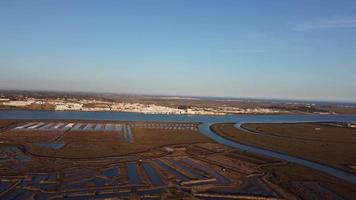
(171, 170)
(112, 172)
(194, 173)
(208, 170)
(133, 174)
(204, 128)
(153, 175)
(164, 118)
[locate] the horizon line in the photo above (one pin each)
(189, 96)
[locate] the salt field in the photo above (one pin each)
(99, 127)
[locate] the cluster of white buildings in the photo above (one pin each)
(68, 106)
(94, 105)
(88, 105)
(137, 108)
(235, 110)
(23, 103)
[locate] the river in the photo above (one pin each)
(207, 121)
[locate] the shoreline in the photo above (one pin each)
(143, 113)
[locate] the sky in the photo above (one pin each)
(280, 49)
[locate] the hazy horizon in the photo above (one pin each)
(188, 96)
(214, 48)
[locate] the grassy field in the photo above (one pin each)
(322, 143)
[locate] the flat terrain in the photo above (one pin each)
(83, 143)
(78, 159)
(321, 142)
(178, 102)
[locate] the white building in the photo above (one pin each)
(18, 103)
(68, 106)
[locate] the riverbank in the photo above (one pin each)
(91, 139)
(96, 139)
(312, 141)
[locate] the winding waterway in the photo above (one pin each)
(207, 121)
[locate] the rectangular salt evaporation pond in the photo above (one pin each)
(99, 182)
(25, 126)
(125, 137)
(76, 184)
(19, 154)
(194, 173)
(109, 127)
(125, 194)
(76, 127)
(129, 134)
(36, 181)
(134, 178)
(88, 127)
(112, 172)
(17, 194)
(36, 125)
(67, 127)
(4, 186)
(171, 170)
(57, 126)
(98, 127)
(219, 178)
(14, 151)
(46, 127)
(152, 174)
(52, 177)
(118, 127)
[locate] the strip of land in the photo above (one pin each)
(326, 143)
(61, 101)
(71, 159)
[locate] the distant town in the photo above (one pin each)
(156, 105)
(95, 105)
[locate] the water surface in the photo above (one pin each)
(132, 171)
(206, 121)
(152, 174)
(18, 114)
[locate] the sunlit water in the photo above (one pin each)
(206, 121)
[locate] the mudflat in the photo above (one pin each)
(94, 159)
(328, 143)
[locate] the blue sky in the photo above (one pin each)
(236, 48)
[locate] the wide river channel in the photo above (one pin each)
(207, 121)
